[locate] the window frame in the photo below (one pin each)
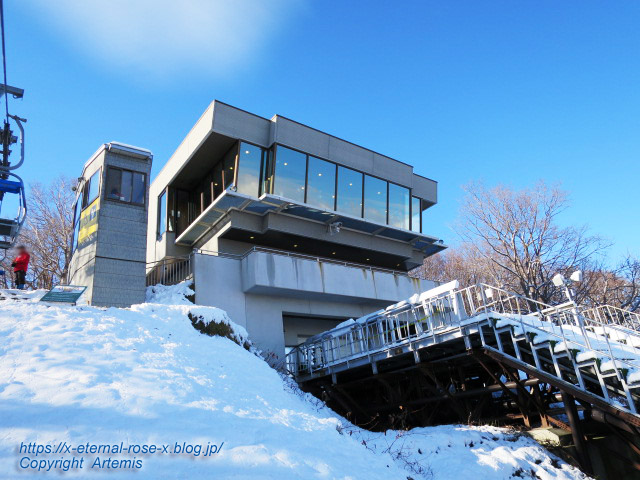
(362, 174)
(165, 194)
(84, 199)
(419, 230)
(273, 149)
(133, 172)
(364, 183)
(77, 213)
(389, 183)
(263, 160)
(335, 181)
(306, 169)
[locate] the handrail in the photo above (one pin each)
(316, 258)
(169, 270)
(379, 329)
(614, 316)
(287, 253)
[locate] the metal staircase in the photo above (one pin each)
(592, 354)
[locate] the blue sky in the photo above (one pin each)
(501, 91)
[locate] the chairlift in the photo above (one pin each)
(10, 226)
(11, 184)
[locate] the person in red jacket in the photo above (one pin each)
(20, 265)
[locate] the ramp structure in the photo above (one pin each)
(478, 354)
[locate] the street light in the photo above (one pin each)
(559, 281)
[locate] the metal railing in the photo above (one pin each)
(423, 316)
(169, 270)
(314, 258)
(609, 314)
(172, 270)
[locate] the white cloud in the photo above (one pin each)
(169, 36)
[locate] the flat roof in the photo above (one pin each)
(277, 115)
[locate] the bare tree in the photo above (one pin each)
(619, 287)
(47, 233)
(456, 263)
(523, 246)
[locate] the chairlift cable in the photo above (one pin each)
(4, 61)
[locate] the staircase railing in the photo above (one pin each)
(610, 315)
(169, 270)
(423, 316)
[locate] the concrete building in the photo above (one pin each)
(110, 226)
(288, 229)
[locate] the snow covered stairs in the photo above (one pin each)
(612, 378)
(593, 354)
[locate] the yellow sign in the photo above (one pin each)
(88, 224)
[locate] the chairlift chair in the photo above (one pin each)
(10, 226)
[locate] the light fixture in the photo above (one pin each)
(251, 238)
(295, 246)
(576, 276)
(558, 280)
(285, 164)
(333, 253)
(319, 174)
(247, 152)
(368, 259)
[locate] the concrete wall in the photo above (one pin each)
(274, 274)
(113, 267)
(262, 288)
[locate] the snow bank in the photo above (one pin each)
(170, 295)
(144, 375)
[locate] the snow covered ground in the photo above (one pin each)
(77, 379)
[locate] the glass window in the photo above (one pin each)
(399, 206)
(126, 186)
(91, 189)
(206, 192)
(171, 207)
(182, 211)
(197, 199)
(267, 170)
(138, 188)
(290, 174)
(114, 179)
(217, 180)
(249, 169)
(416, 212)
(228, 166)
(321, 183)
(76, 223)
(349, 192)
(162, 213)
(375, 199)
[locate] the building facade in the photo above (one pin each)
(288, 229)
(110, 226)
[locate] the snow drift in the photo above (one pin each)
(145, 376)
